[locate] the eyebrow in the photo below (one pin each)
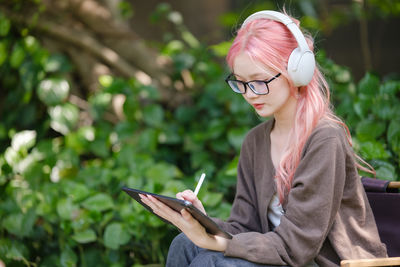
(254, 76)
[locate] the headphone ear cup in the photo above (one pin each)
(301, 66)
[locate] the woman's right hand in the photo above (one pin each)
(191, 197)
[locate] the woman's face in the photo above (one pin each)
(278, 102)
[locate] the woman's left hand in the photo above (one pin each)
(187, 224)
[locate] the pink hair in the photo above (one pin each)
(270, 43)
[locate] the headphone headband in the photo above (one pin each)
(280, 17)
(301, 63)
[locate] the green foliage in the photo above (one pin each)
(60, 182)
(370, 109)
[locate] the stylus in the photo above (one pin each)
(196, 191)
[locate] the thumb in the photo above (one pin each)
(186, 215)
(179, 196)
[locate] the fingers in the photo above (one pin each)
(189, 195)
(182, 220)
(159, 208)
(179, 196)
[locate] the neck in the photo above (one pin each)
(284, 119)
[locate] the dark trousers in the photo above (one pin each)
(183, 252)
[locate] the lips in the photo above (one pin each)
(258, 106)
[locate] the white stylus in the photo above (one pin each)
(196, 191)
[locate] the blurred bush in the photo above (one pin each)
(61, 178)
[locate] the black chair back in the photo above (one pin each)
(385, 204)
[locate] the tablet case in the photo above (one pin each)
(177, 205)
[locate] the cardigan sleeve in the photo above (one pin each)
(244, 216)
(312, 204)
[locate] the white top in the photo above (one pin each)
(275, 211)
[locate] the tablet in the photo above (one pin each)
(177, 205)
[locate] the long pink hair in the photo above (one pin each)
(270, 43)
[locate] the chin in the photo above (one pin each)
(264, 113)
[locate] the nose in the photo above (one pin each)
(249, 93)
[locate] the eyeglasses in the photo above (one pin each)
(259, 87)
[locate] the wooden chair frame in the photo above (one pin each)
(393, 261)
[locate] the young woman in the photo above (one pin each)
(299, 199)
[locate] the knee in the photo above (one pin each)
(181, 251)
(180, 241)
(210, 259)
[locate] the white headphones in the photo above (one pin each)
(301, 63)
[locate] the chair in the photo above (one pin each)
(383, 197)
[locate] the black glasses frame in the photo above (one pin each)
(246, 84)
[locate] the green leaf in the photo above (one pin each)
(369, 84)
(17, 56)
(76, 191)
(68, 258)
(236, 137)
(99, 103)
(231, 168)
(5, 245)
(149, 92)
(148, 140)
(390, 88)
(220, 145)
(216, 128)
(183, 61)
(222, 48)
(64, 117)
(106, 80)
(53, 91)
(358, 109)
(13, 223)
(199, 159)
(80, 140)
(31, 44)
(12, 157)
(170, 134)
(173, 47)
(99, 202)
(115, 235)
(370, 130)
(153, 115)
(28, 77)
(28, 222)
(56, 63)
(5, 25)
(185, 114)
(66, 208)
(373, 150)
(3, 52)
(85, 236)
(172, 187)
(343, 76)
(20, 224)
(162, 172)
(393, 135)
(211, 199)
(386, 172)
(17, 251)
(384, 107)
(363, 105)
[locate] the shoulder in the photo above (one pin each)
(326, 129)
(258, 133)
(329, 133)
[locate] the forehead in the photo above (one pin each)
(244, 67)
